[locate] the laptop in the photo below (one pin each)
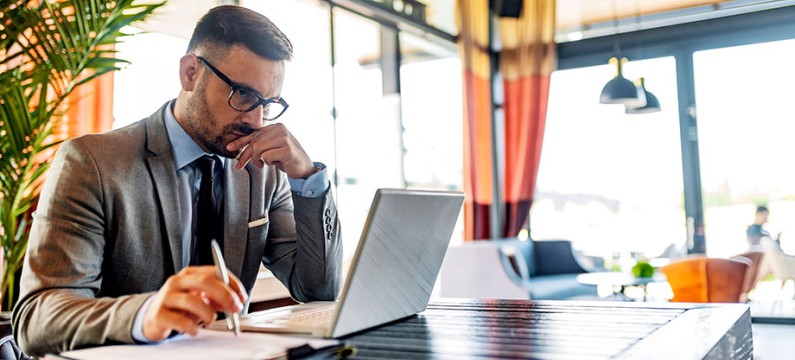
(392, 273)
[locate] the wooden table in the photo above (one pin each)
(461, 329)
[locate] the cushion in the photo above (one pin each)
(527, 249)
(559, 287)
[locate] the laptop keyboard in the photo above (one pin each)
(309, 317)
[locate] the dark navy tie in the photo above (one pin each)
(209, 223)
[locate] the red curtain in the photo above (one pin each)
(90, 108)
(473, 43)
(526, 63)
(527, 59)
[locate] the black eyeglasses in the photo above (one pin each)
(245, 99)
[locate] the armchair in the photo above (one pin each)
(514, 269)
(702, 279)
(782, 265)
(752, 276)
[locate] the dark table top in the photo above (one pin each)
(459, 329)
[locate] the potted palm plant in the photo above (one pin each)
(48, 48)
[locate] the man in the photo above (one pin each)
(123, 214)
(755, 231)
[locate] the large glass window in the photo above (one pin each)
(150, 80)
(368, 122)
(308, 78)
(430, 81)
(610, 181)
(746, 127)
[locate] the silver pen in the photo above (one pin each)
(232, 319)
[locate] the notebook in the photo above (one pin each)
(392, 273)
(208, 344)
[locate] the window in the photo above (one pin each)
(609, 181)
(432, 115)
(744, 98)
(150, 80)
(431, 88)
(308, 78)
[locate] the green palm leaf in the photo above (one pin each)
(46, 50)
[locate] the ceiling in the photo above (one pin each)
(576, 13)
(578, 19)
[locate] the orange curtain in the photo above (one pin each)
(473, 44)
(527, 59)
(90, 108)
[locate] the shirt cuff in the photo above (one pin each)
(312, 187)
(138, 323)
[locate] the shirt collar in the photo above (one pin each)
(186, 150)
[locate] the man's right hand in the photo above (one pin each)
(189, 299)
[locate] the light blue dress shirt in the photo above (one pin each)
(186, 151)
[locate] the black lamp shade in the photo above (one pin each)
(619, 90)
(652, 104)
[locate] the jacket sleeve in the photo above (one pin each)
(58, 308)
(303, 249)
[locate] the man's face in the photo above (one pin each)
(210, 120)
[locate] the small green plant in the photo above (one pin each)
(642, 269)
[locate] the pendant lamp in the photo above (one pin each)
(619, 90)
(652, 104)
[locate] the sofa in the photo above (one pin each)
(516, 269)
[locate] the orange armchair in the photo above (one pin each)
(752, 276)
(702, 279)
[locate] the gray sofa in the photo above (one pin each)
(516, 269)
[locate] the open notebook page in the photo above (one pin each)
(208, 344)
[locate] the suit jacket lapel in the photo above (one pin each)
(237, 192)
(164, 174)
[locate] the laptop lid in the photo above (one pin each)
(403, 243)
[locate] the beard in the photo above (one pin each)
(203, 126)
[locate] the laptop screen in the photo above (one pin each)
(393, 272)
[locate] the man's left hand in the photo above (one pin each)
(273, 145)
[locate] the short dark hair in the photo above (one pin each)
(228, 25)
(762, 209)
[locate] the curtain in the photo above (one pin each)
(526, 61)
(90, 108)
(473, 46)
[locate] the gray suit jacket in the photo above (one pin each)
(106, 235)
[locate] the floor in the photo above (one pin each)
(773, 313)
(773, 342)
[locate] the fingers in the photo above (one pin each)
(242, 141)
(177, 321)
(160, 320)
(260, 142)
(265, 133)
(273, 145)
(192, 306)
(190, 299)
(237, 286)
(205, 280)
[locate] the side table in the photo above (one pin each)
(619, 281)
